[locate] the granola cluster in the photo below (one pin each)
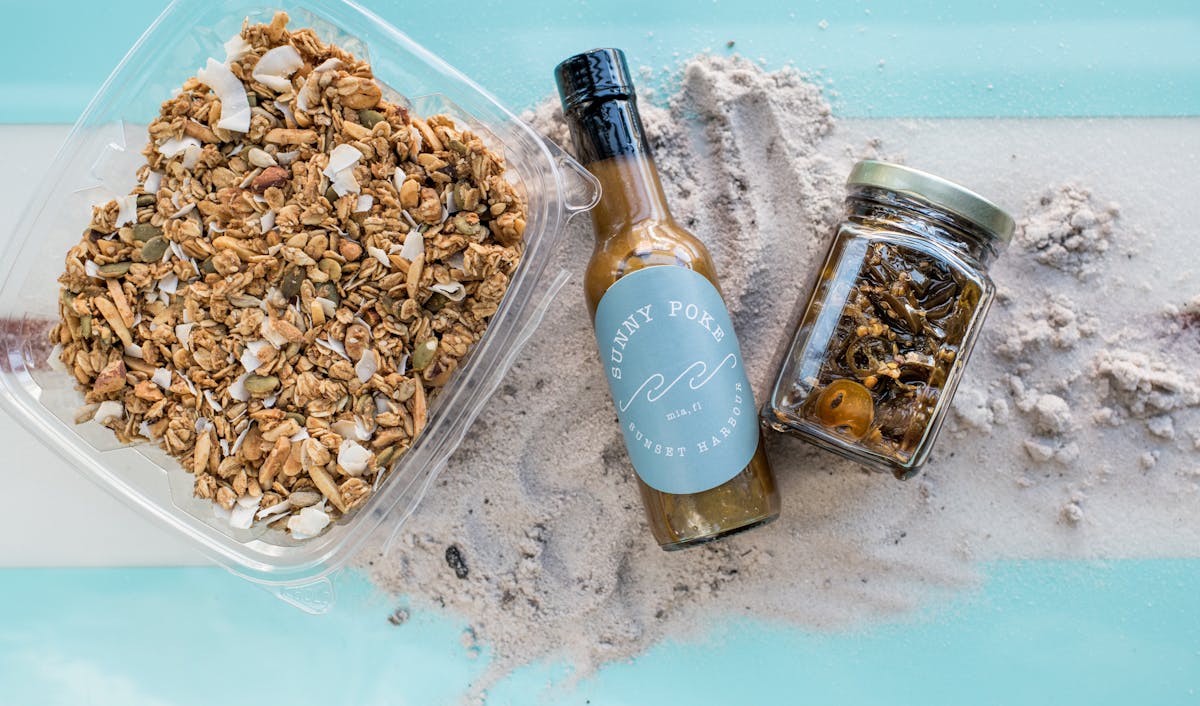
(301, 268)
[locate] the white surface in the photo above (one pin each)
(998, 157)
(88, 527)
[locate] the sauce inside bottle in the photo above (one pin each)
(670, 352)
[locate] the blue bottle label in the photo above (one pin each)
(675, 372)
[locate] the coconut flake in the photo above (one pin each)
(457, 261)
(169, 283)
(127, 213)
(274, 68)
(133, 350)
(286, 158)
(328, 306)
(224, 447)
(161, 377)
(153, 182)
(300, 435)
(237, 388)
(454, 291)
(55, 361)
(183, 211)
(249, 361)
(335, 346)
(203, 424)
(212, 401)
(267, 220)
(144, 429)
(270, 401)
(364, 203)
(414, 246)
(91, 269)
(183, 333)
(109, 409)
(451, 203)
(176, 145)
(235, 107)
(367, 365)
(344, 183)
(418, 140)
(409, 219)
(191, 156)
(251, 357)
(274, 512)
(380, 255)
(268, 332)
(287, 113)
(236, 48)
(330, 64)
(237, 443)
(243, 512)
(342, 157)
(402, 366)
(352, 457)
(308, 523)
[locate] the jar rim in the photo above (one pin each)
(938, 192)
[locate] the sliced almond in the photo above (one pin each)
(113, 317)
(418, 408)
(328, 488)
(274, 463)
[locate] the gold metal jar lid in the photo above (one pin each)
(939, 192)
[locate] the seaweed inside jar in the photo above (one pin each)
(899, 334)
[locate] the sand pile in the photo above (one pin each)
(1075, 432)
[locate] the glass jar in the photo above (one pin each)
(901, 297)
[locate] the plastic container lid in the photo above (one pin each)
(97, 163)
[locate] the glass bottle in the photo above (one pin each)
(668, 348)
(898, 304)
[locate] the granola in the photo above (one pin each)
(301, 268)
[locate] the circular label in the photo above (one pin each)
(675, 372)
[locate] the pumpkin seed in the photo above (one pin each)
(207, 266)
(328, 290)
(252, 99)
(293, 277)
(145, 200)
(153, 250)
(330, 267)
(85, 326)
(369, 118)
(331, 196)
(423, 354)
(261, 384)
(458, 146)
(391, 453)
(114, 269)
(297, 418)
(437, 301)
(145, 231)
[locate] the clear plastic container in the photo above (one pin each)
(98, 162)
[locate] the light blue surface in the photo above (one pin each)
(1035, 632)
(1012, 58)
(1040, 632)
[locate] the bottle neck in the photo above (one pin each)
(873, 206)
(611, 142)
(630, 194)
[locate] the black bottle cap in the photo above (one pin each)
(600, 106)
(593, 75)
